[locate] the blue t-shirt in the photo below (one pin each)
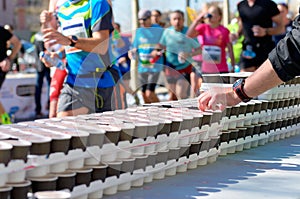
(176, 42)
(82, 19)
(146, 40)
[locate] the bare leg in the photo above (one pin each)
(52, 108)
(196, 82)
(172, 91)
(193, 84)
(152, 96)
(145, 97)
(182, 86)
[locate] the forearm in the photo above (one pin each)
(97, 44)
(240, 30)
(17, 46)
(263, 79)
(196, 52)
(231, 54)
(279, 29)
(94, 45)
(52, 5)
(14, 53)
(191, 31)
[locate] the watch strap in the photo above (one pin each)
(238, 88)
(73, 40)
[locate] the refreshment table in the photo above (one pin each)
(162, 150)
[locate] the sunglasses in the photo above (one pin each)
(208, 16)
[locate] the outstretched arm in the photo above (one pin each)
(263, 79)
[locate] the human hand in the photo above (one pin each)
(217, 98)
(45, 17)
(52, 37)
(44, 60)
(259, 31)
(156, 52)
(122, 60)
(5, 65)
(200, 18)
(52, 55)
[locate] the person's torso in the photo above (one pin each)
(214, 43)
(146, 40)
(261, 14)
(82, 19)
(177, 42)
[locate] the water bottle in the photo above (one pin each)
(237, 69)
(58, 63)
(50, 46)
(248, 53)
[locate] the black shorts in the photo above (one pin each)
(261, 51)
(97, 100)
(173, 75)
(197, 70)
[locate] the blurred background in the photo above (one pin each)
(23, 15)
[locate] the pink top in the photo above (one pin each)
(214, 42)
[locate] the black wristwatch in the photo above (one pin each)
(73, 40)
(238, 88)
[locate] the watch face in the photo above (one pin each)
(237, 83)
(74, 38)
(238, 89)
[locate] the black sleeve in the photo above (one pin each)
(106, 21)
(272, 9)
(285, 57)
(6, 35)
